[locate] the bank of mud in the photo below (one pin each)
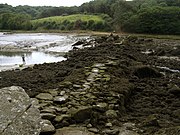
(121, 85)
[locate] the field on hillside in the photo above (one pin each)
(71, 18)
(74, 22)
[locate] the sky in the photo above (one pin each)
(44, 2)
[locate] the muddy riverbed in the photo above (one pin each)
(127, 85)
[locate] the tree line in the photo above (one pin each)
(137, 16)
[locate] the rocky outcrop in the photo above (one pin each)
(18, 116)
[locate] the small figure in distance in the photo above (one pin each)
(23, 59)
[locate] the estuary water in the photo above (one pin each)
(36, 48)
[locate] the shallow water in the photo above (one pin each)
(37, 48)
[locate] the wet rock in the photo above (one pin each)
(73, 131)
(95, 70)
(82, 114)
(18, 116)
(47, 128)
(48, 116)
(61, 99)
(78, 43)
(146, 72)
(44, 96)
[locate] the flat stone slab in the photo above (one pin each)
(18, 116)
(73, 131)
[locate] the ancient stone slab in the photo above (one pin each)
(73, 131)
(44, 96)
(18, 116)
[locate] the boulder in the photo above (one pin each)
(47, 128)
(18, 116)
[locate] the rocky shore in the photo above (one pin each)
(121, 85)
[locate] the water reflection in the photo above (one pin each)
(30, 58)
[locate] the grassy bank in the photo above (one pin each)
(73, 22)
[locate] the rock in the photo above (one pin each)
(146, 72)
(48, 110)
(98, 65)
(111, 63)
(101, 107)
(78, 43)
(47, 127)
(61, 99)
(53, 92)
(73, 131)
(111, 132)
(169, 131)
(62, 121)
(89, 126)
(42, 105)
(108, 125)
(61, 118)
(62, 93)
(77, 86)
(151, 120)
(18, 116)
(94, 130)
(95, 70)
(82, 114)
(127, 132)
(48, 116)
(44, 96)
(111, 114)
(66, 84)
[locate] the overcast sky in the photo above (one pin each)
(44, 2)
